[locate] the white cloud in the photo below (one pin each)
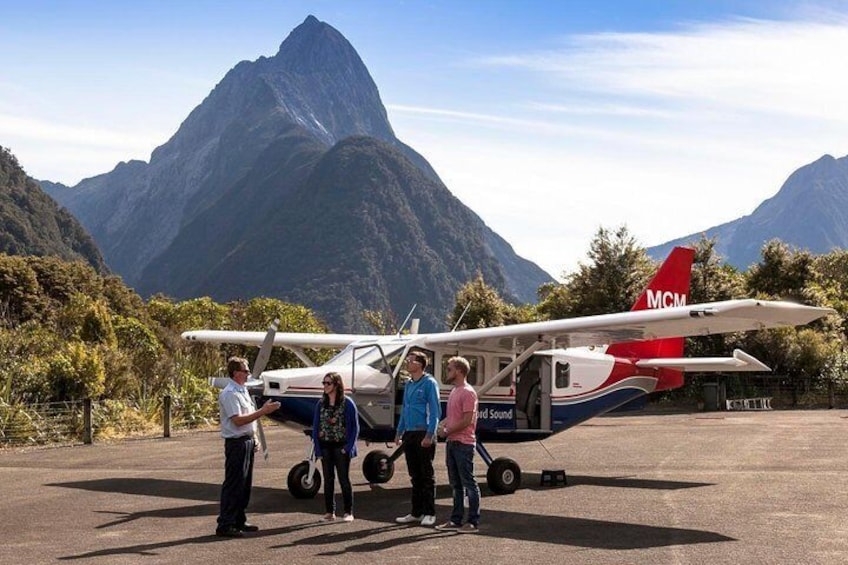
(669, 133)
(33, 128)
(68, 153)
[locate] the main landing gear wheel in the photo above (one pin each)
(503, 476)
(299, 484)
(378, 467)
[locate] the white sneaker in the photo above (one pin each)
(408, 519)
(348, 518)
(428, 520)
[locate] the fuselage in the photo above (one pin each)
(551, 392)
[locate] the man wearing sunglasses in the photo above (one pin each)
(416, 432)
(238, 417)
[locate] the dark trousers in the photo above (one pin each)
(459, 458)
(238, 479)
(419, 462)
(334, 461)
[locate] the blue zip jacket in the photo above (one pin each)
(421, 409)
(351, 415)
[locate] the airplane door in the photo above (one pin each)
(533, 394)
(545, 402)
(372, 388)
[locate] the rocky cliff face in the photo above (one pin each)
(234, 167)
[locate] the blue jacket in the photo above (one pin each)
(421, 408)
(351, 416)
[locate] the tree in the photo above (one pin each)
(258, 313)
(76, 372)
(617, 272)
(712, 281)
(782, 273)
(20, 293)
(829, 287)
(485, 306)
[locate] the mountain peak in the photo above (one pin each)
(315, 45)
(808, 212)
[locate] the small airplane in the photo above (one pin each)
(533, 380)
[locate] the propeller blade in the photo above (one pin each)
(260, 435)
(259, 366)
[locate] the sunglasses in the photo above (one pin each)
(327, 383)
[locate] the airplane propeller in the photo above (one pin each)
(255, 377)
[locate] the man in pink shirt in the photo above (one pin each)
(459, 428)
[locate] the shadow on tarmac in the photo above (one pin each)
(533, 481)
(381, 505)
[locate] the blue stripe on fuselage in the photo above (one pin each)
(495, 420)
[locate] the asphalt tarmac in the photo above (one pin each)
(752, 487)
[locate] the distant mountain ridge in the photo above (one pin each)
(810, 211)
(248, 157)
(32, 223)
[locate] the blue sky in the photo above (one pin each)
(549, 119)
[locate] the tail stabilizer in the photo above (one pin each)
(668, 288)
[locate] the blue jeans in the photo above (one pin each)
(460, 463)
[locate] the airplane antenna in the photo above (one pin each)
(400, 329)
(461, 316)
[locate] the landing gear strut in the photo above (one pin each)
(304, 479)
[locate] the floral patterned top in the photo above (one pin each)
(331, 423)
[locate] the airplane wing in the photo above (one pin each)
(740, 361)
(336, 341)
(679, 321)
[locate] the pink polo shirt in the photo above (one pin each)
(462, 399)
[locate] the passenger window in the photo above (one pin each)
(476, 364)
(503, 363)
(562, 375)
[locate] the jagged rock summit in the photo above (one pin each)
(236, 165)
(810, 211)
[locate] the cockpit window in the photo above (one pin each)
(392, 355)
(345, 357)
(369, 355)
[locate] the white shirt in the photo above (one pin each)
(234, 400)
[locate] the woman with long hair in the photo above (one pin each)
(335, 427)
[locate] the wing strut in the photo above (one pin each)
(537, 345)
(301, 354)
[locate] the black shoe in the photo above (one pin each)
(228, 532)
(248, 527)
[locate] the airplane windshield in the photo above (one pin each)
(368, 355)
(344, 357)
(393, 356)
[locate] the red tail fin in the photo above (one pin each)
(669, 287)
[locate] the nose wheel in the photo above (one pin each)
(300, 484)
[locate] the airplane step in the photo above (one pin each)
(553, 477)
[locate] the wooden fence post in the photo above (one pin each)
(166, 417)
(86, 421)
